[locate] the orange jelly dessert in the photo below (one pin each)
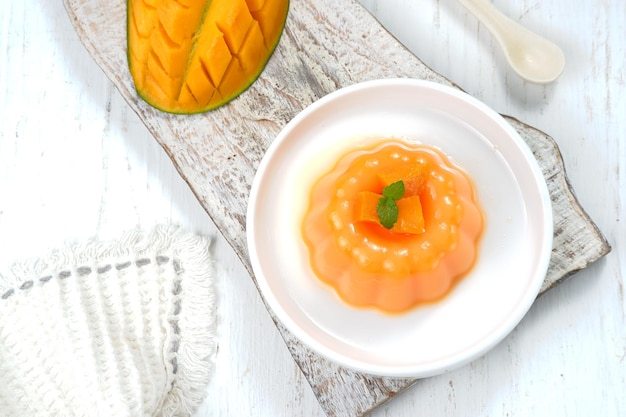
(431, 245)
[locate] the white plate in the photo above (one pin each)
(483, 308)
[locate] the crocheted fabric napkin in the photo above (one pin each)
(109, 329)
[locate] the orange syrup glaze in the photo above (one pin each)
(370, 266)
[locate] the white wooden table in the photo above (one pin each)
(76, 163)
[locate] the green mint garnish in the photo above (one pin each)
(387, 209)
(395, 191)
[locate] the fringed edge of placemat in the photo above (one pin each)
(194, 316)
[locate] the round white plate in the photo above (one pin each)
(483, 308)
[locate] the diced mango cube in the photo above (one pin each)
(413, 176)
(410, 216)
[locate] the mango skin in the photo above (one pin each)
(192, 56)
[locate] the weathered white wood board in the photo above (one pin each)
(326, 45)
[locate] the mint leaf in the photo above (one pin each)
(395, 190)
(387, 210)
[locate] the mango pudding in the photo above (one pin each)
(393, 226)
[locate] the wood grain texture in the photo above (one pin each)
(326, 45)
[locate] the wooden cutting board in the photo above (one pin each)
(327, 44)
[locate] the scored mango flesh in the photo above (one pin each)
(190, 56)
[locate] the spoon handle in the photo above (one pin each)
(491, 17)
(533, 57)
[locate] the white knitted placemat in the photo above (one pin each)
(123, 328)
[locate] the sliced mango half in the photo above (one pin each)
(191, 56)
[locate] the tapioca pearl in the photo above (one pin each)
(438, 177)
(365, 243)
(361, 258)
(389, 265)
(440, 231)
(447, 200)
(439, 214)
(402, 252)
(343, 242)
(444, 227)
(336, 221)
(356, 253)
(428, 252)
(454, 232)
(447, 238)
(420, 257)
(459, 213)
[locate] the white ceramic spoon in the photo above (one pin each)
(533, 57)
